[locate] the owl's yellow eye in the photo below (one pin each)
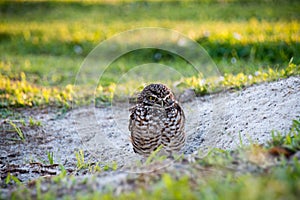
(151, 98)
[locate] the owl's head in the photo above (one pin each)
(157, 95)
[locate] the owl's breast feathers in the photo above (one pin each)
(150, 127)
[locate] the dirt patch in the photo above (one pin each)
(247, 116)
(222, 120)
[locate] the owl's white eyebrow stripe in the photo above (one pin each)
(166, 96)
(154, 96)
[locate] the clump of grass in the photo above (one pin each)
(63, 173)
(290, 140)
(92, 167)
(95, 168)
(155, 156)
(81, 164)
(11, 178)
(50, 158)
(113, 166)
(33, 122)
(18, 131)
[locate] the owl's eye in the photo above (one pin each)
(151, 98)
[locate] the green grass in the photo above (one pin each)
(50, 158)
(48, 41)
(39, 38)
(239, 81)
(80, 160)
(18, 131)
(17, 125)
(18, 93)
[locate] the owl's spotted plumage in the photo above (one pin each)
(156, 120)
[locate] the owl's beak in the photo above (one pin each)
(160, 103)
(164, 104)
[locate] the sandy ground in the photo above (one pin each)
(216, 121)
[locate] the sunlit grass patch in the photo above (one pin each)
(22, 93)
(19, 92)
(204, 86)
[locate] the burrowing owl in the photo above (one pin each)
(156, 120)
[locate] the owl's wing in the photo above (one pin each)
(179, 138)
(180, 110)
(131, 117)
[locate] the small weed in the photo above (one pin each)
(11, 178)
(153, 155)
(291, 140)
(22, 121)
(18, 130)
(113, 166)
(50, 158)
(92, 167)
(34, 123)
(296, 127)
(277, 138)
(80, 160)
(95, 168)
(241, 140)
(63, 172)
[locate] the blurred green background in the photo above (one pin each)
(48, 40)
